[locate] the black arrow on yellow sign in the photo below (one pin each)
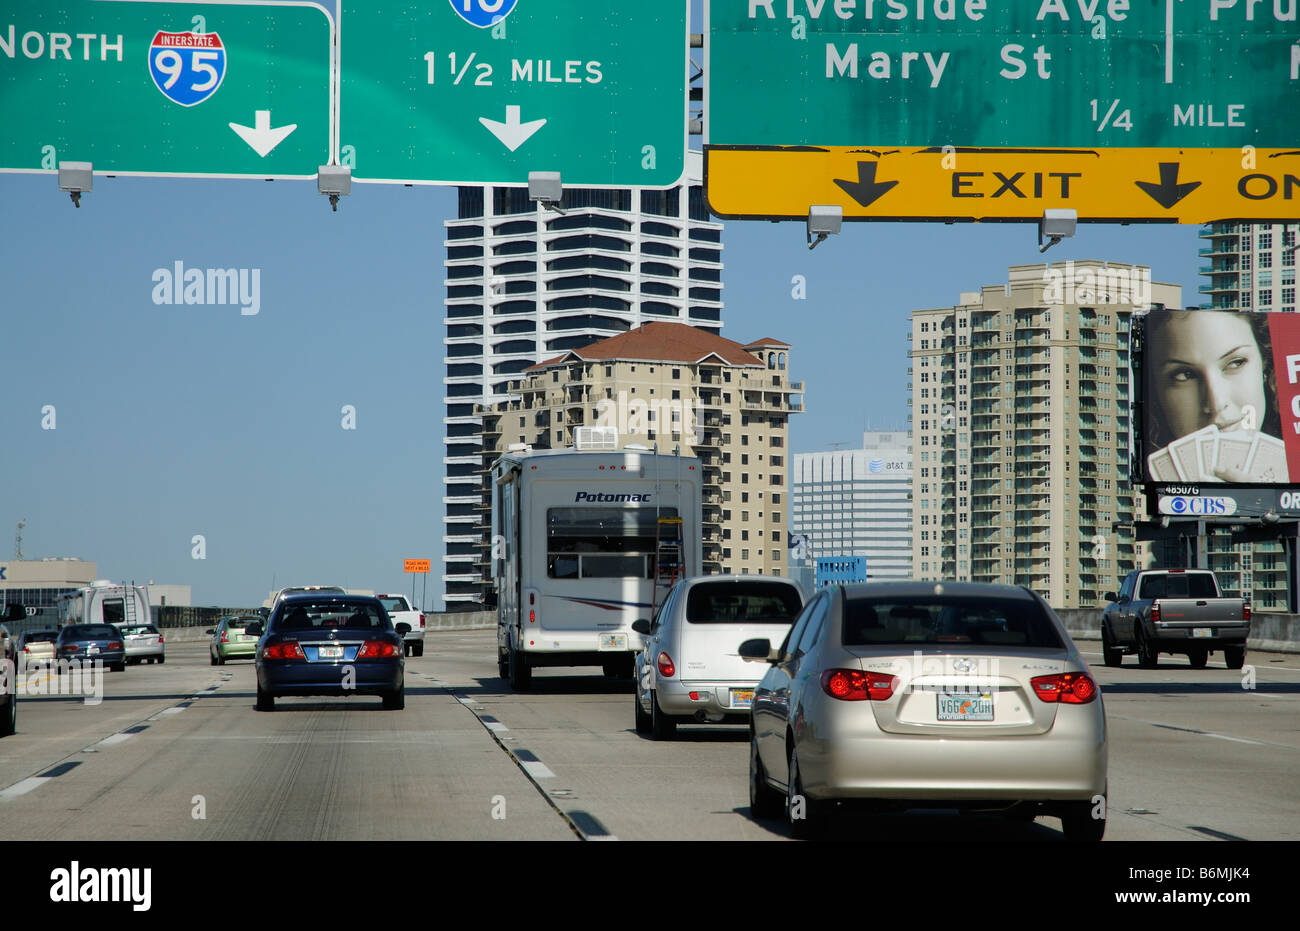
(866, 190)
(1168, 192)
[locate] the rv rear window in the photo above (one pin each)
(114, 612)
(604, 542)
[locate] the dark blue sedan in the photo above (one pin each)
(88, 644)
(325, 644)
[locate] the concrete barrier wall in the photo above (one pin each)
(1268, 631)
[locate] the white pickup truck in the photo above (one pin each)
(399, 609)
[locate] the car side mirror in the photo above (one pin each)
(254, 629)
(210, 632)
(641, 626)
(1110, 596)
(758, 650)
(403, 628)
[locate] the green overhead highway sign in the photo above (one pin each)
(486, 91)
(1029, 73)
(207, 89)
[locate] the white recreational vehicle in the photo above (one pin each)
(103, 602)
(584, 544)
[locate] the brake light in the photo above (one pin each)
(114, 645)
(1155, 611)
(421, 622)
(160, 638)
(70, 648)
(1245, 610)
(225, 636)
(1067, 688)
(855, 685)
(666, 667)
(376, 649)
(289, 649)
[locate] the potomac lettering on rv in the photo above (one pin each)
(600, 496)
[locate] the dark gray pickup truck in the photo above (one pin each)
(1174, 611)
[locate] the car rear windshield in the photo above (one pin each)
(1177, 585)
(139, 629)
(90, 632)
(940, 619)
(742, 603)
(42, 636)
(239, 623)
(327, 616)
(394, 604)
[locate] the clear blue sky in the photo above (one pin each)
(174, 421)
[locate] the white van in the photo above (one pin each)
(104, 602)
(584, 544)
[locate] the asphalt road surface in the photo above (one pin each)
(176, 752)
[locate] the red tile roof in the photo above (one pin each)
(662, 341)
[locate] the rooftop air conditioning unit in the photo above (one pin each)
(604, 439)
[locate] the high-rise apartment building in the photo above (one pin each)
(857, 502)
(1252, 265)
(1020, 440)
(680, 388)
(525, 283)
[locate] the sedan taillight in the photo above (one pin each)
(114, 645)
(160, 638)
(666, 667)
(289, 649)
(1067, 688)
(69, 648)
(855, 685)
(377, 649)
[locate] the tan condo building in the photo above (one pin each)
(673, 386)
(1020, 441)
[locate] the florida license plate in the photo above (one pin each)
(613, 642)
(92, 649)
(742, 698)
(965, 706)
(1199, 632)
(330, 651)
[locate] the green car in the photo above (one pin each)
(229, 641)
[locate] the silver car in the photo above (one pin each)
(143, 642)
(927, 695)
(690, 671)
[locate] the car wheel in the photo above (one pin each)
(503, 665)
(265, 700)
(1024, 813)
(764, 801)
(418, 648)
(662, 726)
(1111, 655)
(521, 676)
(644, 720)
(161, 660)
(803, 815)
(1078, 823)
(118, 667)
(212, 658)
(1234, 657)
(221, 659)
(9, 723)
(395, 701)
(1198, 658)
(1148, 658)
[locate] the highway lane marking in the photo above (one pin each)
(23, 786)
(1221, 835)
(1201, 733)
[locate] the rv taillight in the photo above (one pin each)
(532, 616)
